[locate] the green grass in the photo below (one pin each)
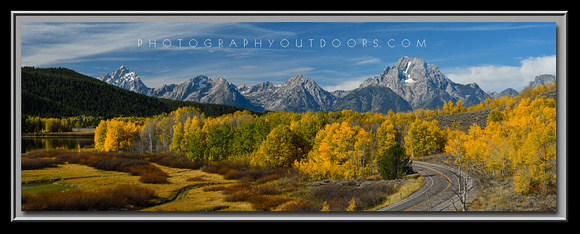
(35, 188)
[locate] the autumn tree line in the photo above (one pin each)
(332, 145)
(38, 124)
(519, 141)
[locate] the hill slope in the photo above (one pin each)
(375, 99)
(56, 92)
(479, 117)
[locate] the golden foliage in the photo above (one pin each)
(112, 135)
(280, 149)
(351, 205)
(424, 138)
(325, 207)
(341, 151)
(521, 144)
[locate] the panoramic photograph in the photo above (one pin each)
(287, 116)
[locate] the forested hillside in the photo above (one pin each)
(58, 92)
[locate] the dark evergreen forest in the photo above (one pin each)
(61, 92)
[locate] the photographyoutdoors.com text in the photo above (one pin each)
(281, 43)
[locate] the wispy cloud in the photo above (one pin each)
(49, 43)
(89, 47)
(54, 43)
(250, 72)
(369, 60)
(347, 84)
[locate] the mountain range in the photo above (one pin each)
(410, 84)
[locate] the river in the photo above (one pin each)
(35, 143)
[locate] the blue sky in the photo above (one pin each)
(336, 55)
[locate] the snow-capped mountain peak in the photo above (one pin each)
(125, 78)
(423, 85)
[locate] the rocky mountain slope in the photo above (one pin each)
(508, 91)
(204, 90)
(422, 85)
(373, 98)
(542, 79)
(197, 89)
(298, 94)
(125, 78)
(410, 84)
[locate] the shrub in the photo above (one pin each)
(120, 197)
(266, 189)
(170, 160)
(295, 205)
(338, 196)
(122, 163)
(196, 178)
(45, 153)
(241, 195)
(254, 174)
(228, 173)
(135, 164)
(221, 167)
(154, 178)
(267, 203)
(267, 178)
(39, 159)
(36, 163)
(214, 188)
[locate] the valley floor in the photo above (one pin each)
(219, 187)
(226, 186)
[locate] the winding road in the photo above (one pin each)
(439, 191)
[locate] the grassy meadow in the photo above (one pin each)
(70, 180)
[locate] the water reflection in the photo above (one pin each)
(34, 143)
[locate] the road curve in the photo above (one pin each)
(437, 194)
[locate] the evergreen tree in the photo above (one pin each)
(393, 162)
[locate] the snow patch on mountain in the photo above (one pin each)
(408, 79)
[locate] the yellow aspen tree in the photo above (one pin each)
(476, 148)
(385, 136)
(351, 205)
(112, 137)
(535, 159)
(128, 133)
(498, 160)
(459, 107)
(455, 143)
(196, 146)
(448, 107)
(424, 138)
(177, 139)
(325, 207)
(337, 153)
(280, 149)
(100, 135)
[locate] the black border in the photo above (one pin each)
(255, 216)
